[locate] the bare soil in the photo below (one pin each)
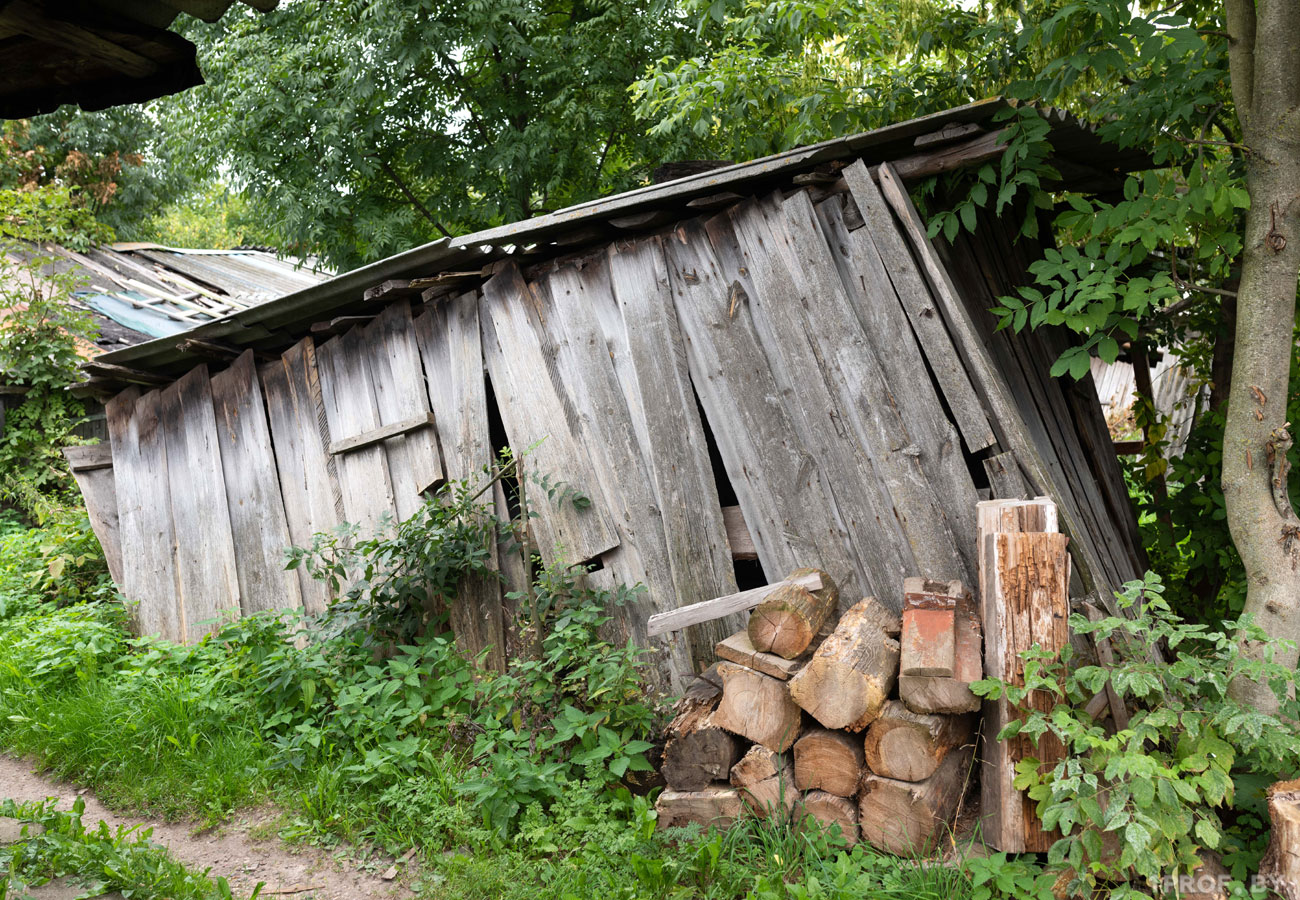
(244, 850)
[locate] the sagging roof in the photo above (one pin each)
(97, 53)
(917, 148)
(141, 291)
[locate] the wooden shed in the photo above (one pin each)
(774, 346)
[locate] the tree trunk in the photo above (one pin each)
(908, 818)
(1263, 49)
(719, 805)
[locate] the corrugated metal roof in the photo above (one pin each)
(162, 291)
(1081, 156)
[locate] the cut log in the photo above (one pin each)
(829, 813)
(738, 649)
(910, 818)
(933, 694)
(1024, 600)
(788, 619)
(1279, 870)
(851, 675)
(829, 761)
(765, 780)
(698, 753)
(909, 747)
(757, 706)
(718, 805)
(708, 610)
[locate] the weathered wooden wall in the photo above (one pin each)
(844, 371)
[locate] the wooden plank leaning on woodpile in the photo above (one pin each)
(707, 610)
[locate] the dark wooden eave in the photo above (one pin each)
(96, 53)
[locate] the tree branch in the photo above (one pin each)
(415, 201)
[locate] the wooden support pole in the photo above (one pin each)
(1024, 600)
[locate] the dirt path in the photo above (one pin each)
(231, 850)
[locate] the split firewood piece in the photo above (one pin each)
(909, 747)
(718, 804)
(758, 707)
(765, 780)
(933, 694)
(830, 761)
(788, 619)
(829, 812)
(738, 649)
(929, 634)
(851, 675)
(910, 818)
(697, 752)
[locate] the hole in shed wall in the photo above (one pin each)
(749, 572)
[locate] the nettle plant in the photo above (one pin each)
(1187, 774)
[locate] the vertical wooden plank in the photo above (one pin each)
(906, 366)
(776, 480)
(299, 434)
(450, 346)
(1024, 600)
(257, 516)
(206, 579)
(414, 461)
(349, 397)
(957, 383)
(99, 492)
(144, 513)
(657, 382)
(538, 413)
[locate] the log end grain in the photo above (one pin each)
(829, 761)
(757, 707)
(788, 619)
(829, 813)
(718, 805)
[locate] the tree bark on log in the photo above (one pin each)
(698, 752)
(910, 818)
(765, 780)
(851, 675)
(828, 811)
(829, 761)
(788, 619)
(758, 707)
(908, 747)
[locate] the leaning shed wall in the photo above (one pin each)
(802, 348)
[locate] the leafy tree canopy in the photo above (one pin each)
(369, 127)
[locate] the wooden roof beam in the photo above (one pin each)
(36, 22)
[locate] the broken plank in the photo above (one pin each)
(257, 516)
(738, 649)
(99, 492)
(738, 536)
(448, 337)
(89, 456)
(718, 607)
(384, 432)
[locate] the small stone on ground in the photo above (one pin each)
(63, 889)
(11, 830)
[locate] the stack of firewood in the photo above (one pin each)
(865, 723)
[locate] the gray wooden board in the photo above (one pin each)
(257, 516)
(449, 342)
(307, 474)
(539, 414)
(662, 401)
(934, 438)
(859, 379)
(367, 487)
(144, 512)
(206, 579)
(1022, 436)
(1005, 478)
(775, 477)
(414, 461)
(757, 251)
(100, 494)
(566, 299)
(932, 334)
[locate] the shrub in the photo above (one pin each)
(1185, 775)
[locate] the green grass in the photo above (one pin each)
(98, 860)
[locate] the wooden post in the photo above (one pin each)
(1280, 867)
(1024, 600)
